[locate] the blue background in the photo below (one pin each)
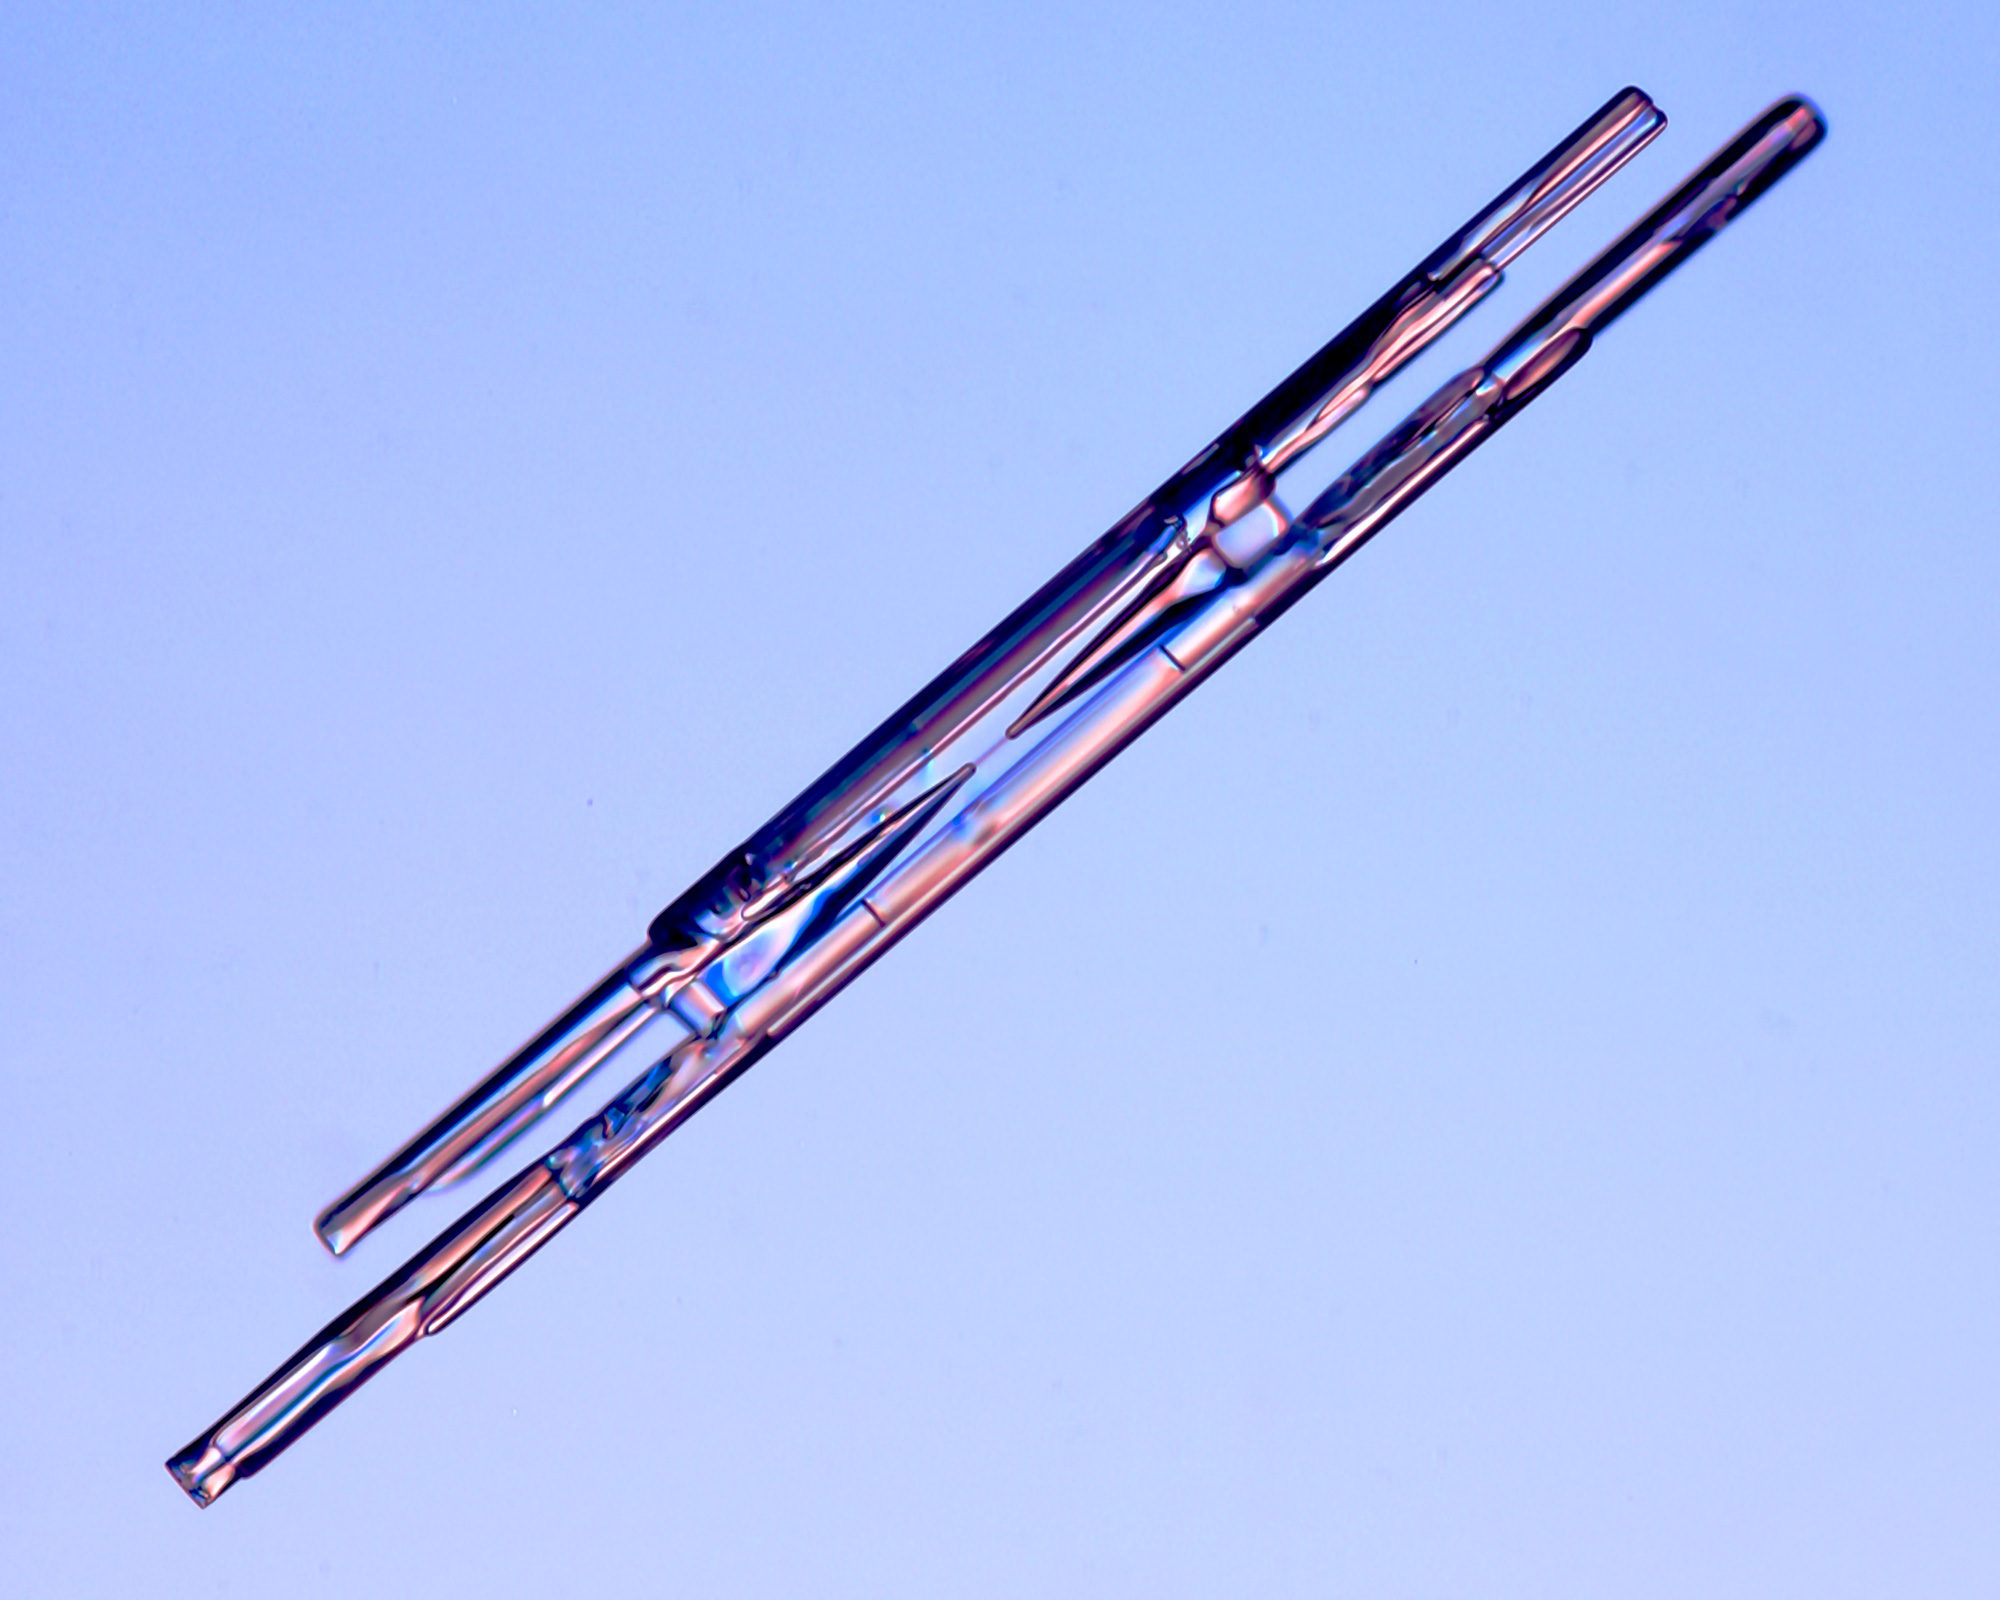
(1496, 1096)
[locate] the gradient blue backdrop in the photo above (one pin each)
(1496, 1096)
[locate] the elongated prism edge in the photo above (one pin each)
(1225, 483)
(856, 902)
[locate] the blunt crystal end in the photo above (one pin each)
(202, 1471)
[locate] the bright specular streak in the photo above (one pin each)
(990, 747)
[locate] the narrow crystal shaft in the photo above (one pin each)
(432, 1289)
(1221, 486)
(755, 952)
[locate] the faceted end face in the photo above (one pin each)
(1799, 124)
(202, 1471)
(323, 1230)
(1806, 118)
(340, 1226)
(378, 1197)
